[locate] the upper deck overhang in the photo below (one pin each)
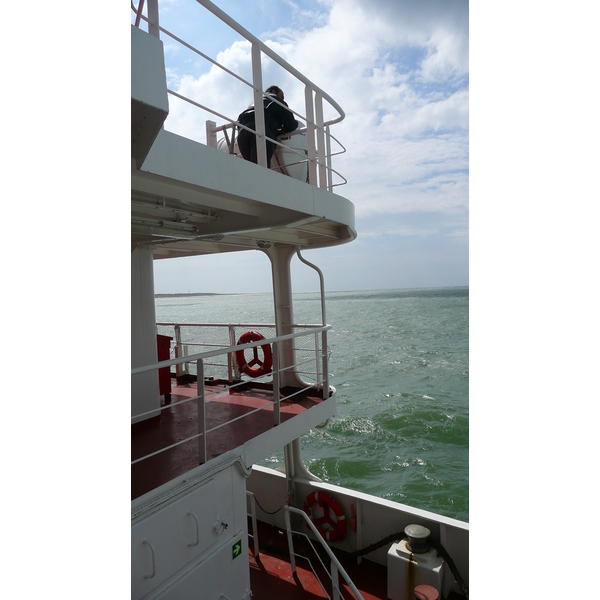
(224, 203)
(188, 198)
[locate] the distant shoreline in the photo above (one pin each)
(193, 294)
(182, 295)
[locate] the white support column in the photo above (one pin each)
(284, 313)
(145, 394)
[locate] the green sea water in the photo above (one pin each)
(400, 363)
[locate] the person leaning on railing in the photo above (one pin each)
(278, 120)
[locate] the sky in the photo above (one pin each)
(400, 72)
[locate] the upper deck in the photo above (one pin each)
(191, 198)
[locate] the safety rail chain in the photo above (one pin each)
(313, 97)
(180, 347)
(336, 567)
(200, 399)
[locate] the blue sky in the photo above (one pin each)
(400, 71)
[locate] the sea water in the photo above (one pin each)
(400, 364)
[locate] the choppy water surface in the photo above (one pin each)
(400, 363)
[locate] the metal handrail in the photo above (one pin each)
(225, 350)
(336, 567)
(314, 97)
(273, 56)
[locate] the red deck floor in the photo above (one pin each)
(180, 421)
(271, 572)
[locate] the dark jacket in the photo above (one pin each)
(278, 120)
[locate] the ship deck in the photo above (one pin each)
(271, 572)
(179, 421)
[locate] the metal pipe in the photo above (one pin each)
(321, 281)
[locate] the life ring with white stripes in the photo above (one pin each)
(255, 367)
(327, 503)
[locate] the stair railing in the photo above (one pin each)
(336, 567)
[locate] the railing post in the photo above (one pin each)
(318, 366)
(276, 396)
(320, 140)
(288, 526)
(255, 549)
(259, 109)
(232, 342)
(178, 351)
(211, 136)
(335, 581)
(310, 136)
(325, 366)
(153, 27)
(201, 411)
(329, 166)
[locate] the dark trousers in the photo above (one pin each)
(247, 146)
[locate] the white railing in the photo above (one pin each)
(199, 360)
(336, 568)
(188, 338)
(317, 130)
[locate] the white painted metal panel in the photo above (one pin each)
(171, 538)
(221, 573)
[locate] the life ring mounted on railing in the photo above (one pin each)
(255, 367)
(327, 503)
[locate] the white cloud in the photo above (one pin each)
(400, 72)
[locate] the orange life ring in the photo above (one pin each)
(255, 367)
(326, 502)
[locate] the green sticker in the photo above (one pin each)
(236, 549)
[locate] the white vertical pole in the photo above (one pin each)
(329, 171)
(211, 136)
(320, 140)
(325, 367)
(318, 366)
(153, 18)
(256, 550)
(259, 109)
(288, 526)
(178, 351)
(201, 411)
(234, 372)
(310, 136)
(276, 405)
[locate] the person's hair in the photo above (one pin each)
(274, 90)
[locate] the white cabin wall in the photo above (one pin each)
(144, 387)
